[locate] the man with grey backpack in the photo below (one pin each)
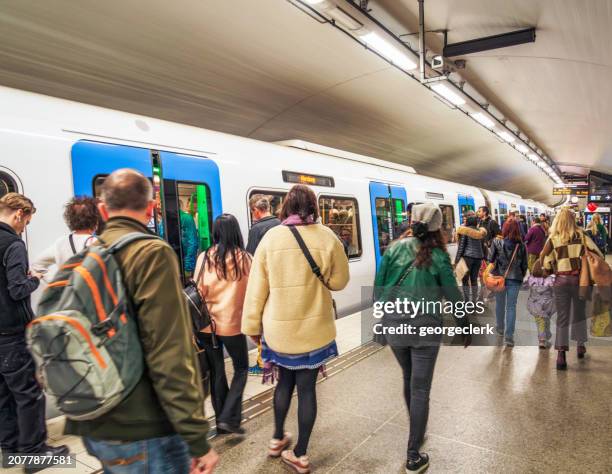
(137, 401)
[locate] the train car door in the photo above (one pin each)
(466, 203)
(191, 192)
(388, 205)
(186, 190)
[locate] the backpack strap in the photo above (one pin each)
(127, 239)
(72, 246)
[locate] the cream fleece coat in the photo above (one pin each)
(284, 300)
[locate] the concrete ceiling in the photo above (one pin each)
(266, 70)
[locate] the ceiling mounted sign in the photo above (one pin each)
(580, 190)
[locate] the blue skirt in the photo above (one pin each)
(308, 360)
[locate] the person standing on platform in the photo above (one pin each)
(160, 427)
(291, 311)
(22, 402)
(534, 241)
(418, 268)
(263, 221)
(598, 233)
(472, 249)
(490, 224)
(562, 256)
(509, 259)
(222, 274)
(82, 218)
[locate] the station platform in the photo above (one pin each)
(493, 409)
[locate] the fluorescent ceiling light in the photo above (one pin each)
(449, 94)
(507, 136)
(542, 164)
(483, 119)
(344, 19)
(315, 2)
(533, 157)
(386, 49)
(522, 148)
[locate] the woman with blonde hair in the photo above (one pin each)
(562, 256)
(597, 232)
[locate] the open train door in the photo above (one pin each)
(186, 190)
(388, 204)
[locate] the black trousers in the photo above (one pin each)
(417, 365)
(470, 280)
(570, 312)
(22, 402)
(227, 400)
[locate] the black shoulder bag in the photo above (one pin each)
(198, 310)
(313, 265)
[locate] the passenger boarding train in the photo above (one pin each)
(53, 149)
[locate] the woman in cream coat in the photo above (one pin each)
(293, 310)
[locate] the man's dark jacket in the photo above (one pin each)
(258, 230)
(15, 284)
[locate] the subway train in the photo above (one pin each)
(53, 149)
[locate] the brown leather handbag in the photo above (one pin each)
(497, 283)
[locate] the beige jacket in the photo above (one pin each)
(284, 300)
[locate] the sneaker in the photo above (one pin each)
(581, 351)
(561, 362)
(300, 465)
(419, 464)
(509, 342)
(277, 446)
(542, 344)
(255, 370)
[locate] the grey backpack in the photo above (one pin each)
(84, 338)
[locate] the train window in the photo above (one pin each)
(7, 184)
(341, 214)
(275, 198)
(97, 184)
(503, 213)
(448, 221)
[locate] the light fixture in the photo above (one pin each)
(522, 148)
(542, 164)
(533, 157)
(449, 94)
(315, 2)
(482, 119)
(507, 136)
(344, 18)
(386, 49)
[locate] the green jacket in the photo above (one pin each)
(435, 283)
(169, 398)
(439, 277)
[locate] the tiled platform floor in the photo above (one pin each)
(492, 410)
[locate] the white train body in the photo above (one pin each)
(38, 135)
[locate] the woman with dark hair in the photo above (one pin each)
(471, 248)
(83, 219)
(293, 309)
(508, 257)
(222, 274)
(417, 267)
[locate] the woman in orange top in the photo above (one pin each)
(222, 276)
